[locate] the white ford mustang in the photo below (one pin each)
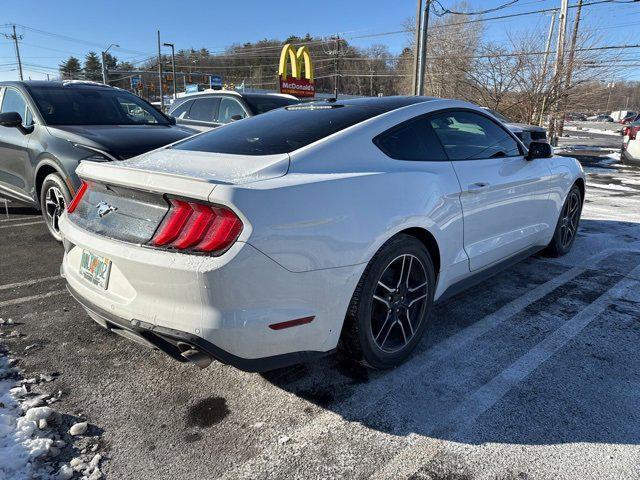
(313, 227)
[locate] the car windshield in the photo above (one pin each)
(69, 105)
(280, 131)
(263, 103)
(499, 116)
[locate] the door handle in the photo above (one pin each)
(474, 187)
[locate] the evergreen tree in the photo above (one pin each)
(70, 69)
(111, 61)
(92, 67)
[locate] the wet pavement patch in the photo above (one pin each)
(207, 412)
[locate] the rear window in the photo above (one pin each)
(279, 131)
(263, 103)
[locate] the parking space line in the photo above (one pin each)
(364, 400)
(30, 298)
(21, 224)
(421, 447)
(15, 219)
(26, 283)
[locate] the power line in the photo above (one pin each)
(445, 11)
(479, 20)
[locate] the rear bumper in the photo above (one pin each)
(223, 306)
(175, 342)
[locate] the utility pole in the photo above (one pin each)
(105, 75)
(544, 67)
(371, 79)
(15, 37)
(422, 51)
(416, 46)
(173, 67)
(160, 74)
(557, 73)
(336, 68)
(569, 72)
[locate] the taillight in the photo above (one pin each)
(197, 226)
(76, 200)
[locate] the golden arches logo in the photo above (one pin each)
(290, 55)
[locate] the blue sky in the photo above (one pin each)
(215, 25)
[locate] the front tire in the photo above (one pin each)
(54, 198)
(567, 226)
(391, 305)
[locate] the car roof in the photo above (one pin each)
(57, 83)
(381, 103)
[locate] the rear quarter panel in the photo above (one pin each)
(310, 220)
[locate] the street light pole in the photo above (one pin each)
(160, 75)
(104, 63)
(173, 67)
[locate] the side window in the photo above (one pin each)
(203, 109)
(182, 110)
(468, 136)
(228, 108)
(13, 101)
(413, 140)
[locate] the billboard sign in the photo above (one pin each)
(296, 84)
(192, 88)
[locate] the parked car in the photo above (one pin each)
(210, 109)
(575, 117)
(600, 118)
(631, 144)
(332, 224)
(633, 117)
(525, 132)
(47, 128)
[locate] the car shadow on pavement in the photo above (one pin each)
(555, 365)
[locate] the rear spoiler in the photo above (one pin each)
(150, 181)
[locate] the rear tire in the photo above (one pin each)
(567, 226)
(54, 198)
(391, 305)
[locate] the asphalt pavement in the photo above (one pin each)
(533, 374)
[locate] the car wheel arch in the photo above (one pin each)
(46, 167)
(581, 185)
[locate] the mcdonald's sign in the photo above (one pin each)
(296, 84)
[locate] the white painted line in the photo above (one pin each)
(26, 283)
(421, 447)
(21, 224)
(364, 401)
(30, 298)
(15, 219)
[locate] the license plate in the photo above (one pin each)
(95, 269)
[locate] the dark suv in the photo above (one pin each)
(47, 128)
(211, 109)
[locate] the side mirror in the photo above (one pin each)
(235, 118)
(10, 119)
(539, 150)
(14, 120)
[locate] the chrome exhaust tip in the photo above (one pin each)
(197, 357)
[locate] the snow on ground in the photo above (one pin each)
(31, 440)
(600, 131)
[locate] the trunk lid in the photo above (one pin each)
(128, 200)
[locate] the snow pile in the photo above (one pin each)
(18, 444)
(30, 439)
